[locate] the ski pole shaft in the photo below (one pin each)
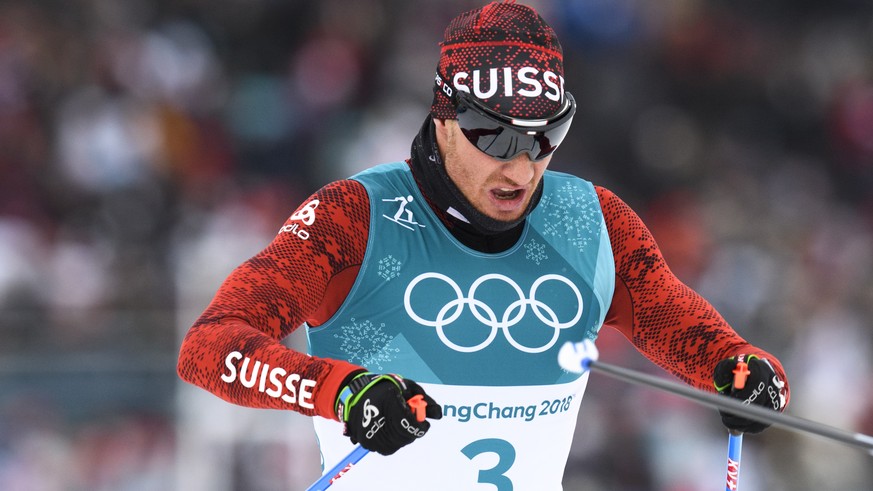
(735, 438)
(757, 413)
(337, 471)
(735, 448)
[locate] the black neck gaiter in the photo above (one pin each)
(431, 175)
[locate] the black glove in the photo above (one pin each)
(762, 387)
(377, 414)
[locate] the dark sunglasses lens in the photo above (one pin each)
(482, 137)
(481, 131)
(504, 142)
(499, 143)
(548, 142)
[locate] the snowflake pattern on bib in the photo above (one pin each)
(574, 227)
(366, 344)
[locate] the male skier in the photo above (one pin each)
(468, 308)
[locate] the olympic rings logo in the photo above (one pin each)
(451, 311)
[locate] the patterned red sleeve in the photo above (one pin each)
(668, 322)
(234, 351)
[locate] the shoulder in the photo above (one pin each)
(341, 206)
(553, 175)
(605, 195)
(382, 171)
(614, 207)
(386, 180)
(559, 184)
(345, 193)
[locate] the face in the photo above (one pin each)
(500, 190)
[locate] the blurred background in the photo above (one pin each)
(147, 147)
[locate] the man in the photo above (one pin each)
(452, 279)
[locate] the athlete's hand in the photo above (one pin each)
(762, 387)
(377, 415)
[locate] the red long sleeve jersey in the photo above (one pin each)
(293, 281)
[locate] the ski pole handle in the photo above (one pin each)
(418, 406)
(735, 438)
(741, 373)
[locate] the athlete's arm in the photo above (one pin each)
(233, 350)
(668, 322)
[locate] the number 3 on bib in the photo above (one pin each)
(505, 458)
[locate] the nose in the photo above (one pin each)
(519, 170)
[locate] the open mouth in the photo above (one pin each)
(506, 194)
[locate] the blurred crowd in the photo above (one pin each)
(149, 146)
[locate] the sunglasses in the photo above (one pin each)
(503, 137)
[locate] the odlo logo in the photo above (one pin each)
(305, 214)
(371, 412)
(412, 430)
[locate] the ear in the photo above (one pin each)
(440, 124)
(442, 130)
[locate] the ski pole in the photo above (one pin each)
(575, 357)
(337, 471)
(416, 403)
(735, 437)
(735, 449)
